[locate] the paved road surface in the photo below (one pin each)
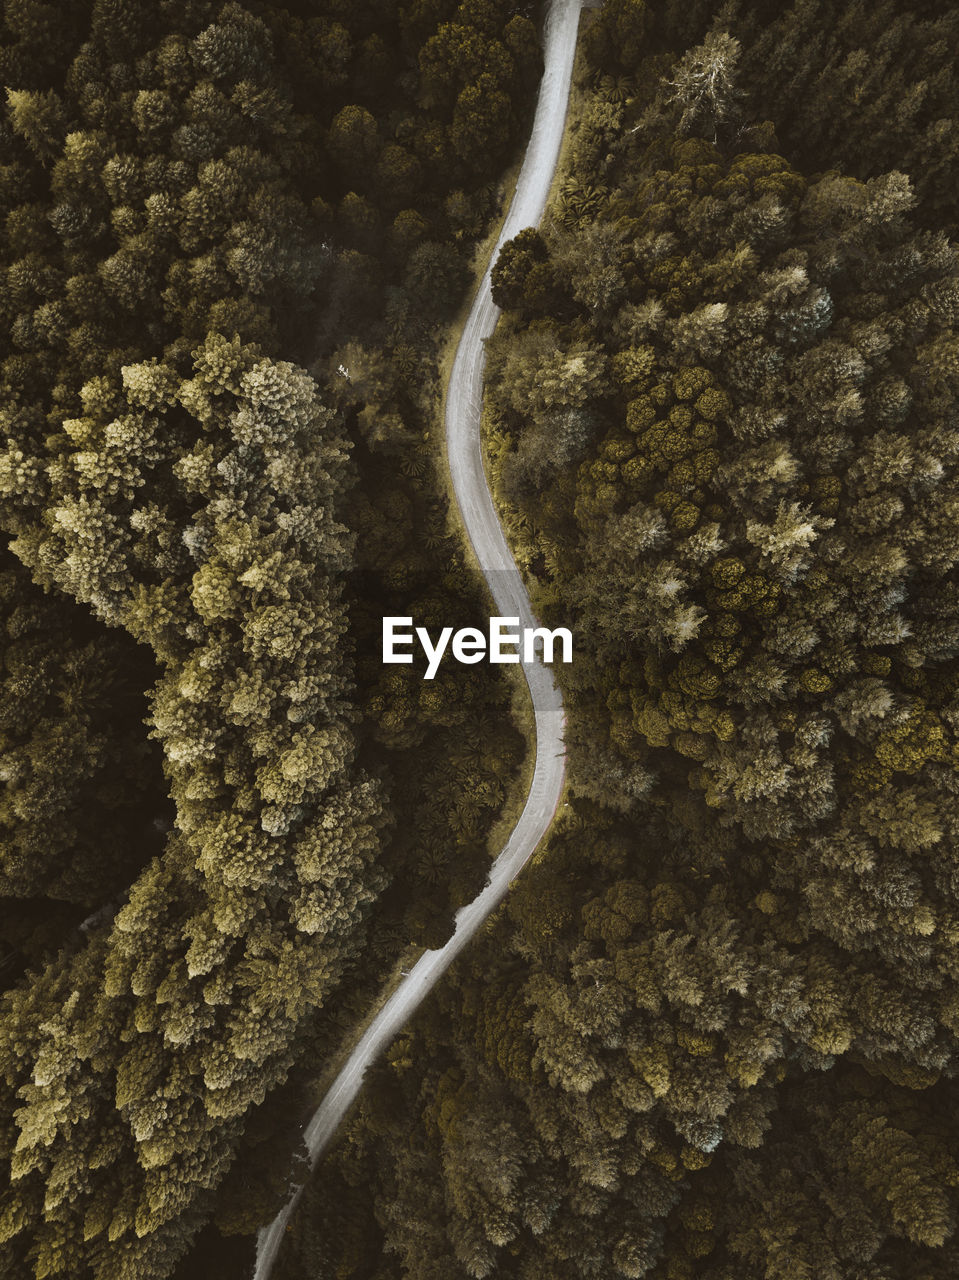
(463, 404)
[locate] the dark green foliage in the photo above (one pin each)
(83, 789)
(713, 1032)
(860, 87)
(84, 802)
(523, 277)
(616, 39)
(881, 1154)
(226, 942)
(198, 198)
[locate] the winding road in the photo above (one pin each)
(463, 408)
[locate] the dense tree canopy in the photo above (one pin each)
(713, 1034)
(208, 817)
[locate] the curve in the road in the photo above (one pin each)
(463, 408)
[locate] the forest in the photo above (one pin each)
(232, 238)
(713, 1033)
